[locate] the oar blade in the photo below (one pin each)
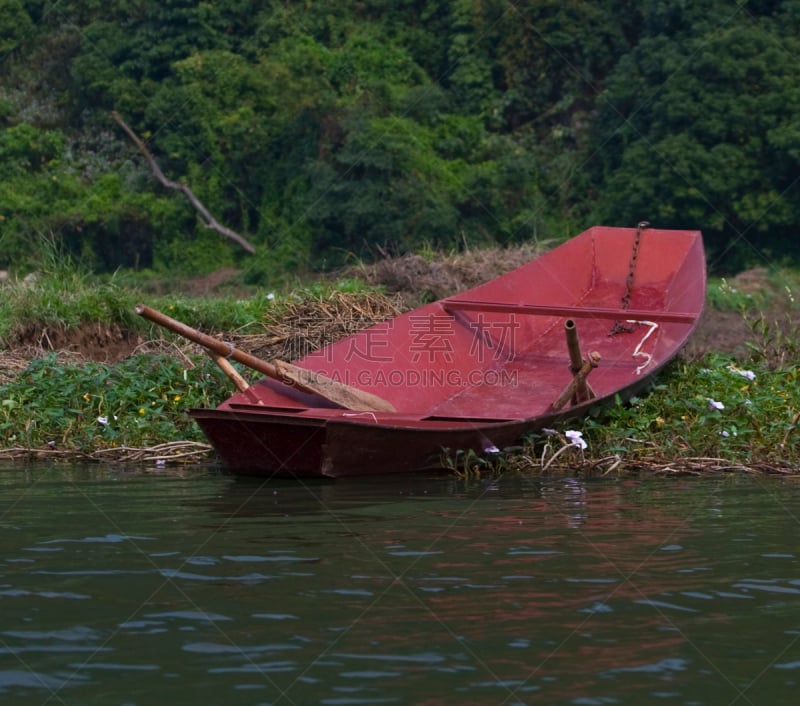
(333, 390)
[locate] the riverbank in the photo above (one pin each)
(108, 387)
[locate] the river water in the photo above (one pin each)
(195, 587)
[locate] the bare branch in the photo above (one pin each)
(209, 220)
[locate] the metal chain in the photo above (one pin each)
(618, 326)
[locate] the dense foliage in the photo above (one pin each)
(318, 129)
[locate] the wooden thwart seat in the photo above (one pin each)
(575, 312)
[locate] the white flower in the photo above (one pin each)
(749, 374)
(713, 404)
(576, 439)
(102, 420)
(271, 296)
(492, 449)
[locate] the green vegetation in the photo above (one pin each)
(713, 414)
(321, 129)
(714, 409)
(735, 411)
(64, 295)
(82, 408)
(328, 132)
(60, 294)
(68, 406)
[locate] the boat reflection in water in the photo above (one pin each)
(406, 589)
(508, 585)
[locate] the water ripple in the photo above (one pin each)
(349, 701)
(73, 634)
(18, 593)
(57, 649)
(105, 539)
(116, 667)
(672, 664)
(663, 604)
(420, 657)
(215, 648)
(253, 558)
(788, 665)
(768, 586)
(31, 680)
(257, 668)
(244, 578)
(191, 615)
(275, 616)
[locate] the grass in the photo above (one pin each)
(61, 299)
(733, 413)
(63, 295)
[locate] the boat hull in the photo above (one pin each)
(477, 371)
(272, 445)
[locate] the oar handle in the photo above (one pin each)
(298, 377)
(226, 350)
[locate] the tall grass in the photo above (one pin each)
(64, 294)
(60, 294)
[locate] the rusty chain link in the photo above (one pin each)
(618, 326)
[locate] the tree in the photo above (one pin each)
(15, 25)
(703, 134)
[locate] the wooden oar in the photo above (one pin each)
(305, 380)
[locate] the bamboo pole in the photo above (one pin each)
(570, 391)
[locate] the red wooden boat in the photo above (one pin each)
(478, 370)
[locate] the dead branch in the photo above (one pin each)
(209, 220)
